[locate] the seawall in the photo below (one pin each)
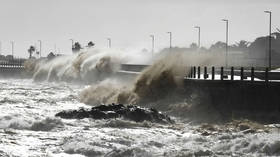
(12, 72)
(249, 99)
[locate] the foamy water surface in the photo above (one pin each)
(28, 128)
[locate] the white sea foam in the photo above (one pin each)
(29, 128)
(18, 122)
(90, 65)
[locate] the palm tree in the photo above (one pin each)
(218, 46)
(31, 50)
(193, 46)
(77, 47)
(241, 44)
(90, 44)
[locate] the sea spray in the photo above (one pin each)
(160, 85)
(86, 67)
(55, 69)
(109, 91)
(31, 65)
(156, 82)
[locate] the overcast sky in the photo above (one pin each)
(130, 22)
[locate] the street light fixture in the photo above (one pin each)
(269, 55)
(170, 40)
(153, 43)
(226, 41)
(198, 43)
(72, 42)
(109, 42)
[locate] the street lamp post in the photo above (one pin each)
(72, 42)
(170, 40)
(226, 41)
(72, 45)
(269, 55)
(153, 43)
(40, 42)
(12, 43)
(0, 47)
(109, 42)
(198, 35)
(55, 49)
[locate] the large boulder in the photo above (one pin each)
(129, 112)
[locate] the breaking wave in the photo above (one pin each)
(20, 123)
(87, 66)
(160, 85)
(156, 82)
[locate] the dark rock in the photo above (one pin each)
(205, 133)
(203, 153)
(130, 112)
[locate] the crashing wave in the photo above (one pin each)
(17, 122)
(87, 67)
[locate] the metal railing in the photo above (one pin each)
(14, 63)
(222, 73)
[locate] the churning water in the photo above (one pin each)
(28, 126)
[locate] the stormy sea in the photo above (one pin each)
(29, 125)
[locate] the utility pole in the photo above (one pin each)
(109, 42)
(55, 49)
(226, 41)
(72, 45)
(269, 55)
(170, 40)
(40, 42)
(198, 43)
(12, 43)
(153, 43)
